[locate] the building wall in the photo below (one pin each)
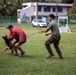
(32, 9)
(58, 0)
(64, 12)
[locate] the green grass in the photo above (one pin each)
(34, 62)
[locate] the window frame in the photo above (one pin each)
(46, 9)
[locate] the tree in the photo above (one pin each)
(6, 8)
(67, 1)
(72, 10)
(9, 7)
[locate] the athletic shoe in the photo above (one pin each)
(50, 55)
(15, 54)
(22, 53)
(61, 57)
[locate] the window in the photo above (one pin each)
(54, 9)
(24, 6)
(35, 20)
(47, 8)
(39, 8)
(60, 9)
(39, 17)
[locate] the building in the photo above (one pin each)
(58, 0)
(38, 10)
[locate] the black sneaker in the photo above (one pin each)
(50, 55)
(22, 53)
(12, 52)
(61, 57)
(15, 54)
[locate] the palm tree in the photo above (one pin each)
(72, 10)
(19, 1)
(6, 8)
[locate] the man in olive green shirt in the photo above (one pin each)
(55, 38)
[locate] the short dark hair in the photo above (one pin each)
(52, 16)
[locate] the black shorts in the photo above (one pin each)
(17, 41)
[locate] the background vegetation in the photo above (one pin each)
(9, 7)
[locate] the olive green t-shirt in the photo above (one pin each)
(53, 26)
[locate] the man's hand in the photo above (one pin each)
(44, 31)
(47, 34)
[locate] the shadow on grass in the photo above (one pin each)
(66, 58)
(25, 56)
(32, 56)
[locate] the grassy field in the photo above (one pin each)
(34, 62)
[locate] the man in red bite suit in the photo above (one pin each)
(20, 37)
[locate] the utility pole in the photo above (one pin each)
(36, 10)
(57, 11)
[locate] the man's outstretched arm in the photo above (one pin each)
(45, 30)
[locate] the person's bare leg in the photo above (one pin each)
(16, 52)
(22, 52)
(20, 48)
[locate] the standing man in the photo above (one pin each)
(20, 37)
(55, 38)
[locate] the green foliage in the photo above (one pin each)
(68, 1)
(72, 10)
(9, 7)
(6, 8)
(11, 10)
